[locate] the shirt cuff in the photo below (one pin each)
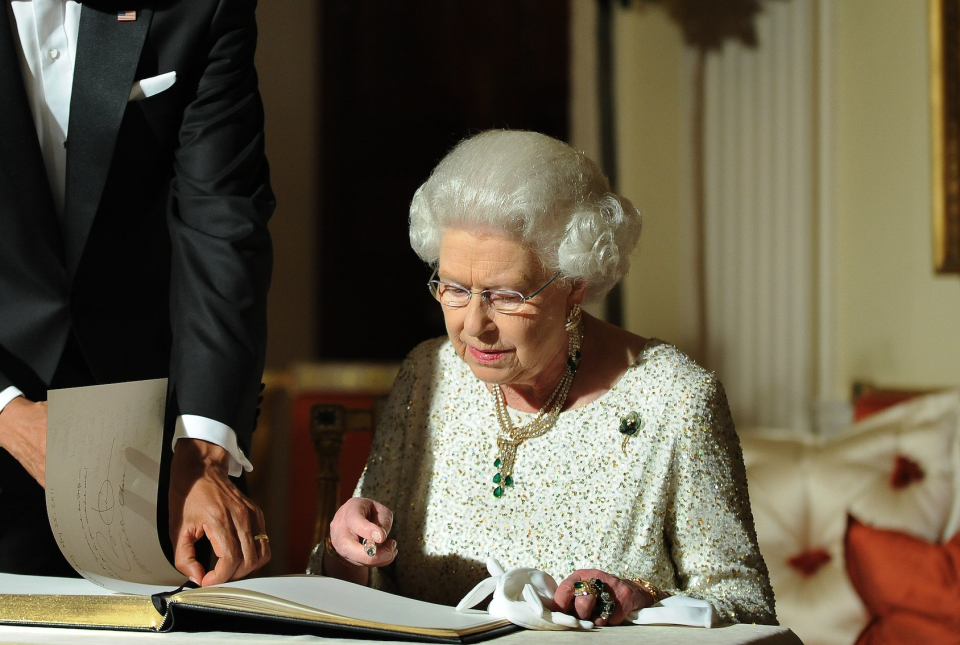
(8, 395)
(191, 426)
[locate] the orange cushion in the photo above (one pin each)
(910, 587)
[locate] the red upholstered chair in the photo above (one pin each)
(342, 438)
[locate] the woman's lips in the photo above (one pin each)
(486, 356)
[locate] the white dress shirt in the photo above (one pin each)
(47, 32)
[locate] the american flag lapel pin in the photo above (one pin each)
(126, 16)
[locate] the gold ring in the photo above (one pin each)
(262, 536)
(589, 587)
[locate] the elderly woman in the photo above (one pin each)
(536, 433)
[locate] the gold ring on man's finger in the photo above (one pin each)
(261, 536)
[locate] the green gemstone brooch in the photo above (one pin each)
(630, 425)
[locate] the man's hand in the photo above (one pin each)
(23, 433)
(203, 501)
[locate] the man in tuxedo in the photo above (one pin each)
(134, 199)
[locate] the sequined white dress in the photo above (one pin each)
(672, 509)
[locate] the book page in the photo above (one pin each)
(103, 465)
(341, 598)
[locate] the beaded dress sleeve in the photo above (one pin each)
(383, 475)
(396, 438)
(709, 524)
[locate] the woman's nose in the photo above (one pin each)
(479, 316)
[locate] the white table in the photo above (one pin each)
(645, 635)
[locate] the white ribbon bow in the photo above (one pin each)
(522, 595)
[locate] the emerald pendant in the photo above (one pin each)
(496, 479)
(508, 480)
(497, 492)
(497, 462)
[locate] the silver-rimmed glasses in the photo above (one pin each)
(502, 301)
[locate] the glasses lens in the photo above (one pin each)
(452, 296)
(506, 302)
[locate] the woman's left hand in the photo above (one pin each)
(627, 597)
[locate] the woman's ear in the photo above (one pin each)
(578, 292)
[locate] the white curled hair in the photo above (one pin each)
(536, 190)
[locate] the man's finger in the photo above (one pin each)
(202, 494)
(265, 553)
(262, 545)
(229, 554)
(250, 553)
(185, 558)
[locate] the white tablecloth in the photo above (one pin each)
(647, 635)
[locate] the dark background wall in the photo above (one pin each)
(400, 84)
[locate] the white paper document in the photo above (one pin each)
(102, 472)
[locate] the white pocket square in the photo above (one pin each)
(147, 87)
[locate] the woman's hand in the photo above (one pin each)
(628, 597)
(356, 520)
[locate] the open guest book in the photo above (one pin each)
(283, 605)
(102, 473)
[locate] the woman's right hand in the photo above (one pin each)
(358, 519)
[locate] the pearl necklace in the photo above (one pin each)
(510, 436)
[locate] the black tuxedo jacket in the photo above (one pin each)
(161, 262)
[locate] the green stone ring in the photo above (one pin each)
(590, 587)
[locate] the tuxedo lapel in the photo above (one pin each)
(21, 162)
(108, 52)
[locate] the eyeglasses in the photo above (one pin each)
(503, 301)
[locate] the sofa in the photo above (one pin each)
(895, 473)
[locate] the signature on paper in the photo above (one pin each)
(108, 536)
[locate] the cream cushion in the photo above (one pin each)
(802, 486)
